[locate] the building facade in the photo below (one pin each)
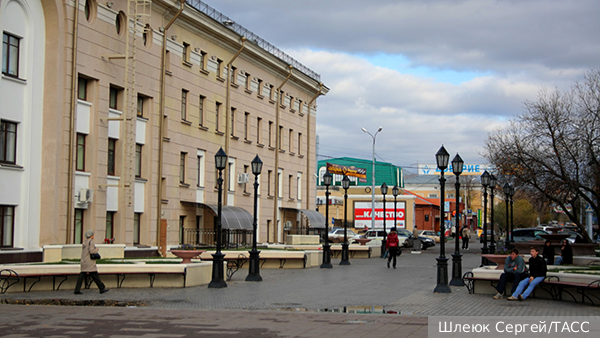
(112, 113)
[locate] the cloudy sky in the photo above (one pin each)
(430, 72)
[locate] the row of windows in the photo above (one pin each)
(110, 227)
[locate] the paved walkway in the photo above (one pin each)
(288, 303)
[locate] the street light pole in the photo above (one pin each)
(218, 280)
(442, 158)
(485, 182)
(345, 185)
(457, 168)
(373, 178)
(384, 190)
(512, 213)
(395, 193)
(506, 190)
(327, 177)
(254, 269)
(493, 183)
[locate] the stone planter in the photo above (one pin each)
(187, 255)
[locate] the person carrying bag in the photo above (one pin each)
(392, 246)
(89, 254)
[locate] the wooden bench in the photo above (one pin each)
(336, 251)
(236, 260)
(11, 277)
(551, 284)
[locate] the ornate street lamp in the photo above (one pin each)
(485, 182)
(253, 270)
(395, 193)
(457, 168)
(384, 190)
(441, 158)
(218, 273)
(345, 185)
(493, 183)
(327, 177)
(506, 190)
(373, 177)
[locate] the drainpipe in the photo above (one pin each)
(72, 123)
(277, 147)
(228, 114)
(161, 118)
(308, 146)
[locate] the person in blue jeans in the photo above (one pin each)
(537, 271)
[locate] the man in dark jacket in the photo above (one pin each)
(393, 246)
(537, 270)
(514, 266)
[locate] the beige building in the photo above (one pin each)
(95, 135)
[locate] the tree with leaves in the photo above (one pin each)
(552, 150)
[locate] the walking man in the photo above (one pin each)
(514, 266)
(466, 234)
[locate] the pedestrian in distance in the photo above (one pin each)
(537, 272)
(566, 254)
(548, 253)
(514, 268)
(466, 235)
(88, 265)
(416, 240)
(393, 247)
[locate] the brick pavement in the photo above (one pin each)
(296, 296)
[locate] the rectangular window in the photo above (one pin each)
(7, 225)
(245, 184)
(280, 183)
(80, 157)
(10, 55)
(140, 106)
(248, 81)
(291, 185)
(112, 143)
(231, 176)
(233, 73)
(184, 104)
(220, 68)
(271, 92)
(270, 134)
(202, 60)
(233, 121)
(281, 98)
(291, 140)
(181, 229)
(217, 113)
(258, 127)
(201, 109)
(269, 182)
(182, 168)
(78, 230)
(246, 125)
(299, 186)
(136, 228)
(299, 143)
(280, 138)
(82, 88)
(110, 225)
(138, 160)
(114, 93)
(260, 87)
(8, 142)
(186, 52)
(200, 163)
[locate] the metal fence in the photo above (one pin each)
(207, 238)
(220, 17)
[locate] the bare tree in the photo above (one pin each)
(551, 150)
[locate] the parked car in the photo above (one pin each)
(430, 234)
(425, 242)
(526, 235)
(337, 235)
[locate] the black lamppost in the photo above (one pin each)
(506, 190)
(512, 213)
(441, 158)
(493, 183)
(384, 190)
(253, 269)
(327, 177)
(457, 168)
(395, 193)
(345, 185)
(485, 182)
(218, 273)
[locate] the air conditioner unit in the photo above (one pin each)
(243, 178)
(85, 195)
